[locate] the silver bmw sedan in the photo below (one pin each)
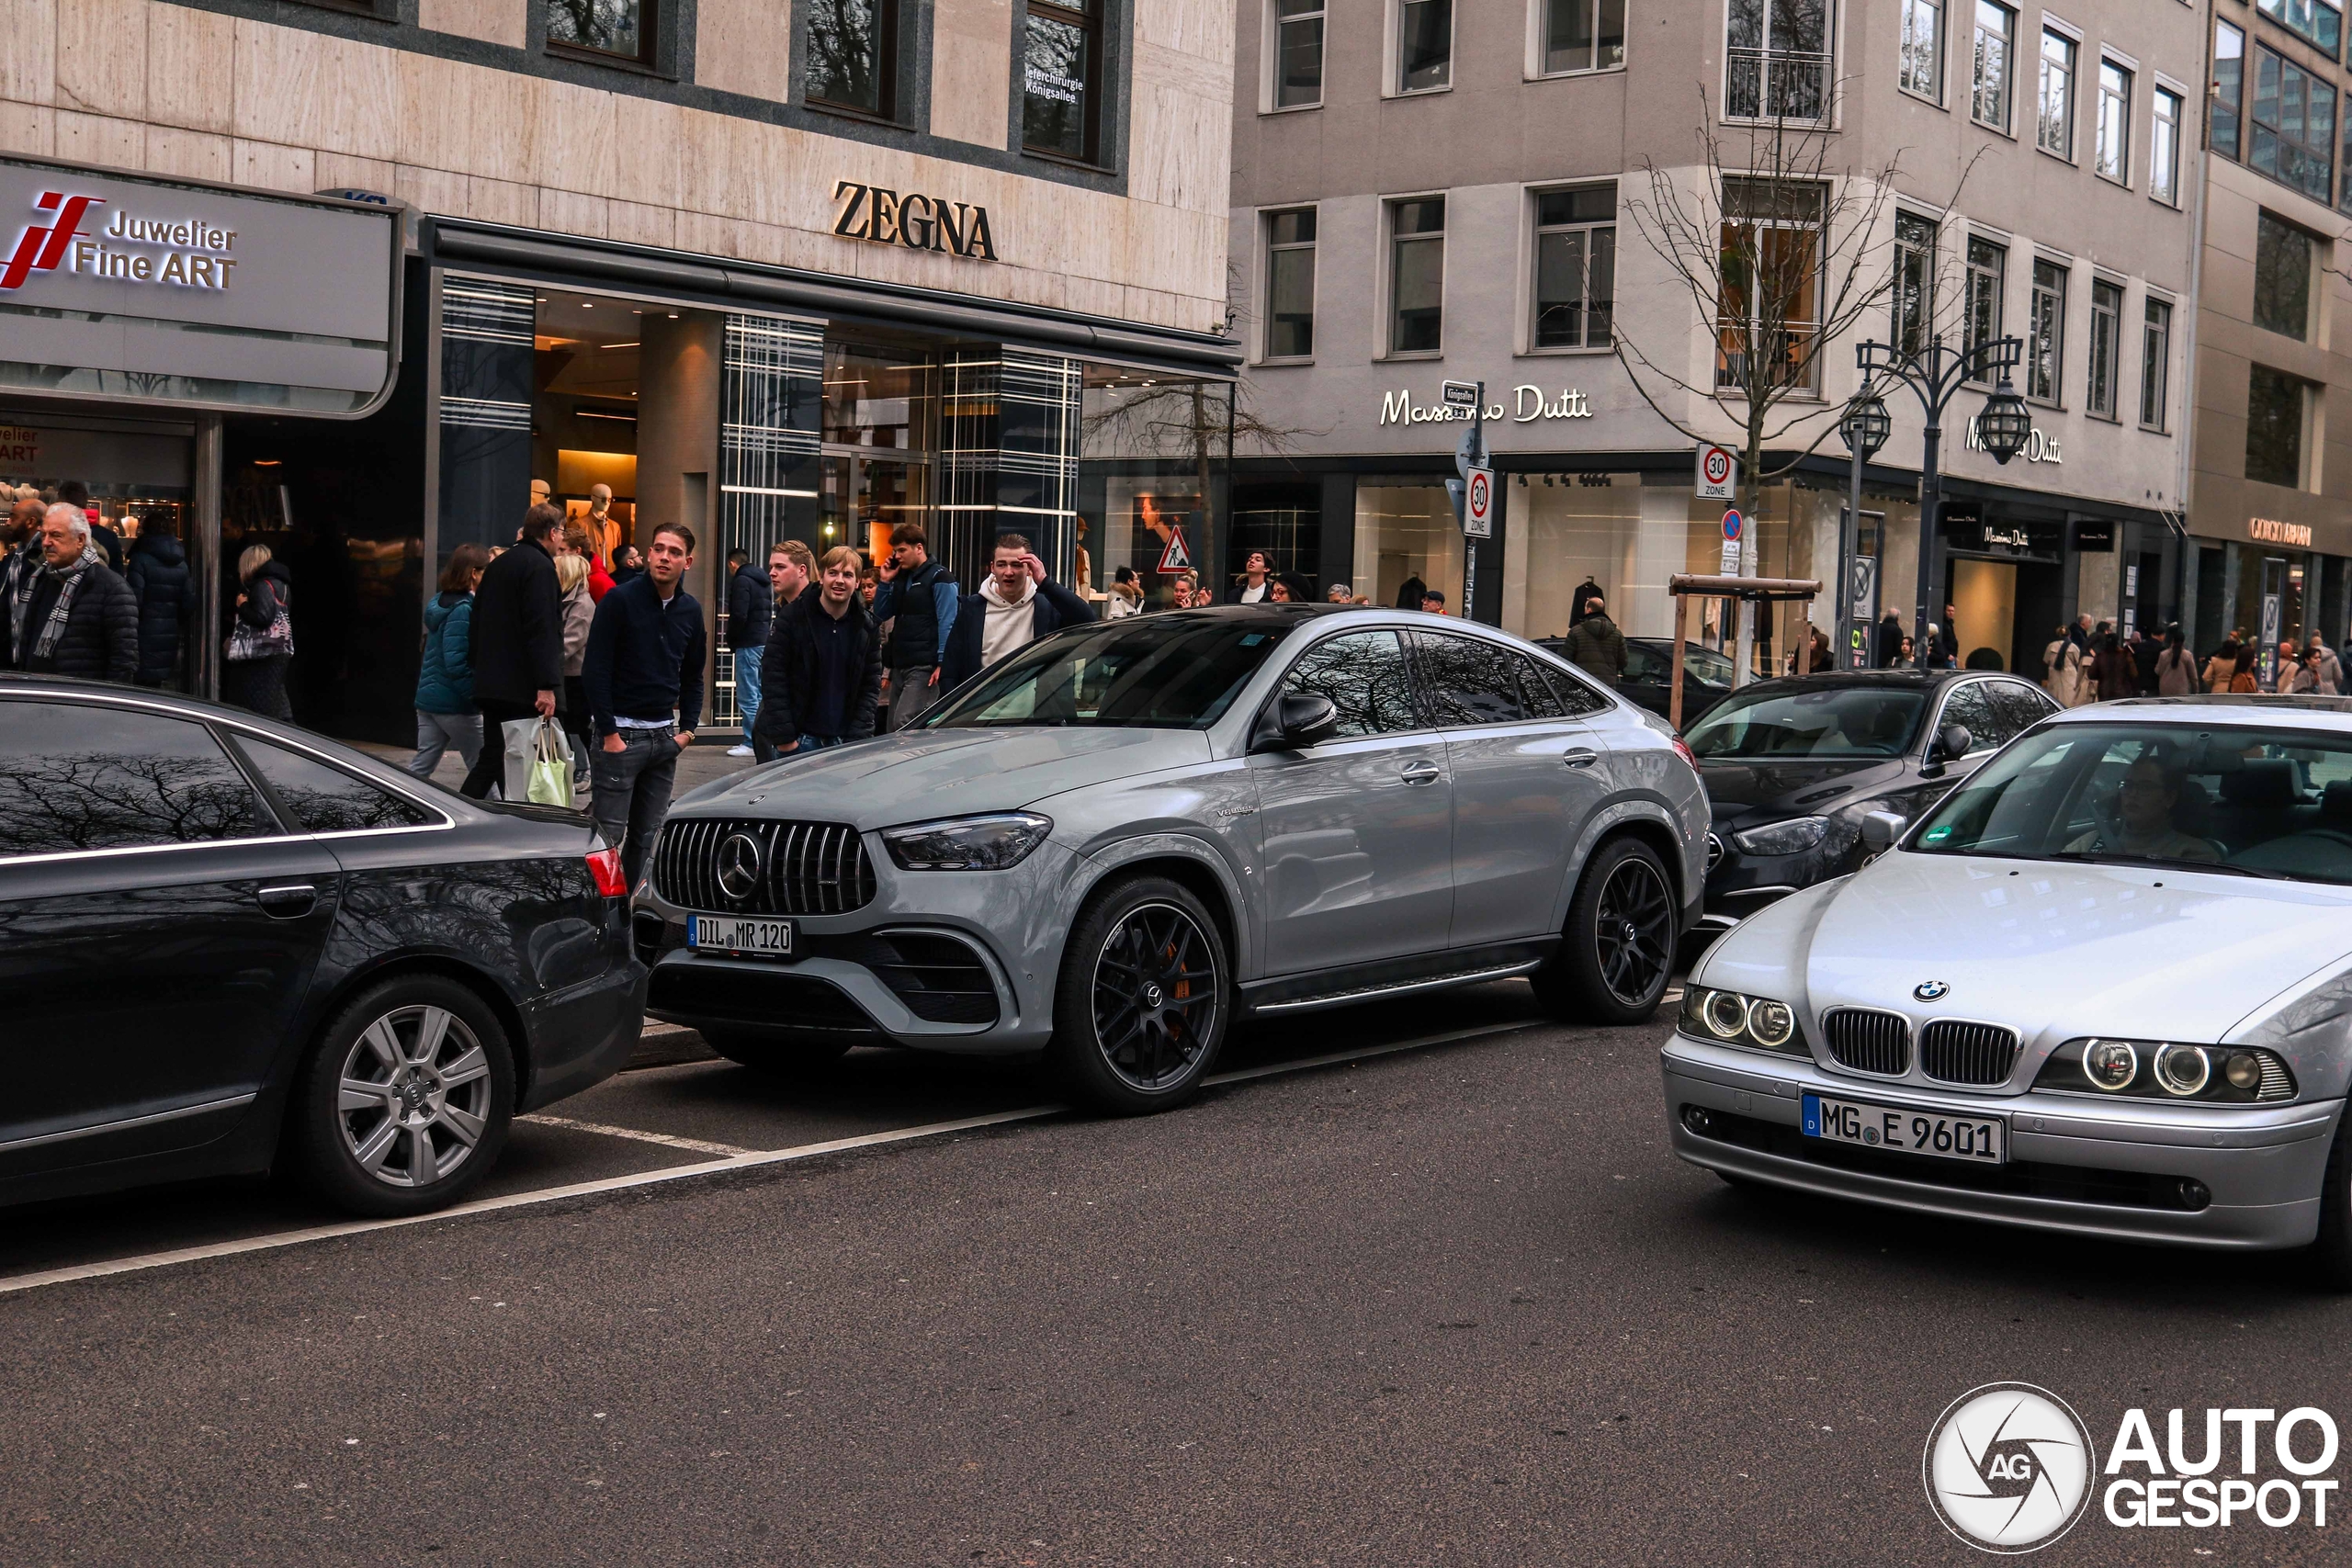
(1111, 844)
(2104, 988)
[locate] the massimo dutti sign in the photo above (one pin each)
(912, 221)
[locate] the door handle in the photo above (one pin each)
(1579, 759)
(1419, 772)
(289, 903)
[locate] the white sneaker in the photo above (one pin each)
(738, 750)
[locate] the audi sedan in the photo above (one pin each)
(1115, 840)
(2104, 988)
(228, 946)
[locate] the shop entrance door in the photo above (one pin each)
(868, 495)
(1984, 599)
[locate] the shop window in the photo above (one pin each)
(2054, 119)
(2045, 332)
(1582, 35)
(2111, 158)
(1297, 53)
(853, 55)
(2282, 277)
(2163, 148)
(1424, 45)
(604, 29)
(2277, 411)
(1915, 281)
(1921, 68)
(2107, 347)
(2156, 365)
(2294, 127)
(2314, 19)
(1290, 284)
(2226, 103)
(1575, 267)
(1062, 80)
(1406, 542)
(1771, 271)
(1996, 34)
(1777, 59)
(1417, 276)
(1987, 265)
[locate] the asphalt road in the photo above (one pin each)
(1455, 1304)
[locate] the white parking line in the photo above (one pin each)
(741, 1160)
(696, 1145)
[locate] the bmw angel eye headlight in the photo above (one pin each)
(1792, 837)
(2168, 1070)
(1756, 1023)
(968, 843)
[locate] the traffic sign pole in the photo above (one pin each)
(1470, 460)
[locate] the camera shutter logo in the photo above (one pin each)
(2008, 1468)
(738, 866)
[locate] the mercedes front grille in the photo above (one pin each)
(805, 868)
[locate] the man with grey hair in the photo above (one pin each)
(71, 615)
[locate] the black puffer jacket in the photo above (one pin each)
(160, 580)
(101, 638)
(268, 591)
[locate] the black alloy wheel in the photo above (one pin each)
(1618, 951)
(1141, 1009)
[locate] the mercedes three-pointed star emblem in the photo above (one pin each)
(738, 866)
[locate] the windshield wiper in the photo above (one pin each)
(2096, 857)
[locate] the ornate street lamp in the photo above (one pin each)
(2006, 426)
(1864, 428)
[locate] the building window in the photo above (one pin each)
(853, 54)
(1922, 67)
(2045, 332)
(2163, 148)
(621, 30)
(1290, 284)
(1575, 267)
(1424, 45)
(2228, 97)
(1779, 60)
(1417, 275)
(1298, 53)
(2056, 127)
(1988, 264)
(2283, 278)
(2112, 158)
(1915, 281)
(2107, 345)
(1062, 79)
(2274, 414)
(2156, 365)
(2316, 19)
(1771, 247)
(1996, 31)
(2294, 127)
(1583, 35)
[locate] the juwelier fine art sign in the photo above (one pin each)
(913, 221)
(142, 290)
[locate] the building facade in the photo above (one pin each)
(1513, 194)
(2271, 508)
(772, 269)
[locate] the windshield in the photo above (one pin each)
(1826, 721)
(2257, 802)
(1165, 671)
(1655, 661)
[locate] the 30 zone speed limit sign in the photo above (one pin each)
(1716, 467)
(1479, 504)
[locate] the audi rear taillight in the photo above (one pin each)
(1684, 752)
(604, 865)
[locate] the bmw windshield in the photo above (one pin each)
(1820, 721)
(1173, 671)
(2246, 801)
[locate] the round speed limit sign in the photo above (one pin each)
(1718, 466)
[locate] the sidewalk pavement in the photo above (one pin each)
(704, 760)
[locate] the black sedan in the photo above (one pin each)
(229, 946)
(1793, 766)
(1648, 681)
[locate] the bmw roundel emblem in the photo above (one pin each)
(1931, 991)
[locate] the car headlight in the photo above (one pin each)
(1756, 1023)
(968, 843)
(1794, 837)
(2168, 1070)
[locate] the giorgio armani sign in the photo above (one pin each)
(913, 221)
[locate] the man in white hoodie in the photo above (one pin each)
(1013, 608)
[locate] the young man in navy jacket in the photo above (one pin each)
(643, 673)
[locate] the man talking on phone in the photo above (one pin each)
(1013, 608)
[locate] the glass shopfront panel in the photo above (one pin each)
(1406, 533)
(1152, 482)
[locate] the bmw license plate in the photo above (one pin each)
(1981, 1140)
(744, 939)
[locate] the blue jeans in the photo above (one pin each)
(632, 792)
(747, 684)
(814, 743)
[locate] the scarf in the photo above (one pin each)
(70, 582)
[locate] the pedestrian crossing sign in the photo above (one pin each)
(1177, 558)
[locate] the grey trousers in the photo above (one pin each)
(632, 792)
(912, 695)
(437, 732)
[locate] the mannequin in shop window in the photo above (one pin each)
(1580, 603)
(604, 533)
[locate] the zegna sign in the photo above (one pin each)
(917, 222)
(1529, 403)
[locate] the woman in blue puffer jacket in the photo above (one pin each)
(445, 677)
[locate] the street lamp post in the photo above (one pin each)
(1863, 428)
(1936, 374)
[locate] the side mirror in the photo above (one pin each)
(1952, 740)
(1881, 828)
(1296, 721)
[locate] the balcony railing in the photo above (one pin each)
(1777, 84)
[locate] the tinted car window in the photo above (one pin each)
(323, 799)
(1535, 693)
(1575, 698)
(1173, 671)
(102, 778)
(1645, 663)
(1466, 681)
(1815, 721)
(1969, 704)
(1363, 674)
(2020, 706)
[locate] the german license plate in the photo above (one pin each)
(748, 939)
(1981, 1140)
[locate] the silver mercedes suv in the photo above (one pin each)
(1110, 845)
